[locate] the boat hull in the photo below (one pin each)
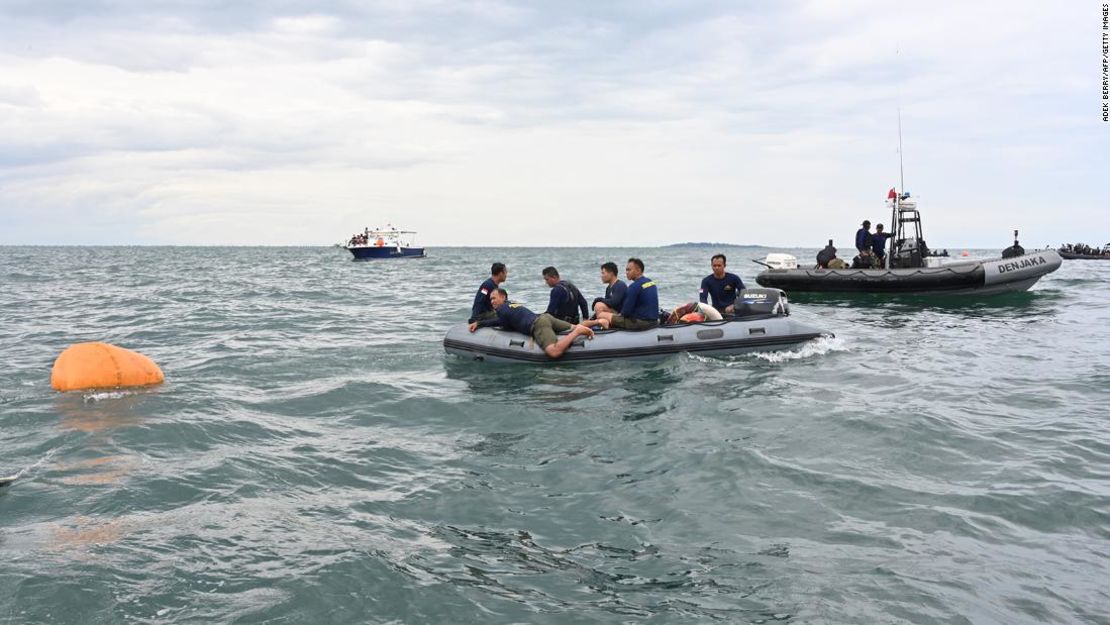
(373, 252)
(987, 277)
(719, 338)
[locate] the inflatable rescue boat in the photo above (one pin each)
(973, 277)
(911, 269)
(762, 323)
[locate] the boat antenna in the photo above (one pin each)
(901, 172)
(897, 227)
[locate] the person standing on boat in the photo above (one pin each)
(542, 328)
(721, 286)
(614, 290)
(483, 308)
(878, 245)
(640, 310)
(566, 300)
(864, 239)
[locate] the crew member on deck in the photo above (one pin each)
(542, 328)
(566, 300)
(721, 286)
(1014, 250)
(640, 310)
(826, 255)
(614, 290)
(483, 308)
(864, 239)
(878, 245)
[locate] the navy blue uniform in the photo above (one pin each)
(641, 301)
(614, 295)
(863, 239)
(566, 301)
(512, 316)
(878, 243)
(481, 300)
(722, 290)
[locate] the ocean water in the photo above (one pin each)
(315, 457)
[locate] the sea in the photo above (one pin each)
(315, 457)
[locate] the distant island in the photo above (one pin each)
(709, 244)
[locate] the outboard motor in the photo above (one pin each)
(761, 303)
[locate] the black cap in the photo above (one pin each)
(866, 223)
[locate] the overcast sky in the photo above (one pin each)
(569, 123)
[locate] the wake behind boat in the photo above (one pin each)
(384, 243)
(763, 324)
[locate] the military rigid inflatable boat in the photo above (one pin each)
(762, 324)
(974, 277)
(1091, 254)
(910, 269)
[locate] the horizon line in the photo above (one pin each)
(329, 246)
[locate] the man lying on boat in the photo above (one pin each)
(542, 328)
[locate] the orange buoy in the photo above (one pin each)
(100, 365)
(965, 253)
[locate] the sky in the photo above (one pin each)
(625, 123)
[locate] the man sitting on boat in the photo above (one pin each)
(542, 328)
(566, 300)
(614, 290)
(826, 255)
(640, 310)
(1014, 250)
(720, 285)
(483, 308)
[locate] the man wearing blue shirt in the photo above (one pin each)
(566, 300)
(863, 238)
(878, 245)
(542, 328)
(482, 308)
(614, 290)
(721, 286)
(640, 310)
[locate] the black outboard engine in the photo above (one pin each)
(761, 303)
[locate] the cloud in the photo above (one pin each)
(298, 122)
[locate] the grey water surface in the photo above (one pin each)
(315, 457)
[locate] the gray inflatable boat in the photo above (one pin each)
(974, 277)
(762, 324)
